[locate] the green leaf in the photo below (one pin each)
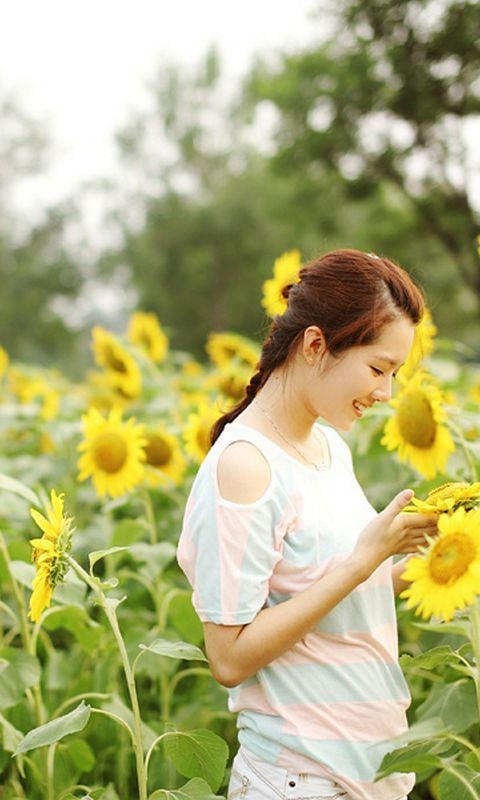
(414, 757)
(431, 659)
(108, 794)
(23, 573)
(12, 485)
(184, 619)
(452, 787)
(72, 592)
(196, 789)
(454, 703)
(473, 760)
(154, 558)
(18, 671)
(198, 753)
(76, 620)
(11, 736)
(56, 729)
(418, 749)
(182, 650)
(127, 531)
(421, 730)
(97, 555)
(81, 754)
(457, 628)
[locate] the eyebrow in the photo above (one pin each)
(387, 360)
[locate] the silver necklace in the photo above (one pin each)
(320, 467)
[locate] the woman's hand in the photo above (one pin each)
(392, 533)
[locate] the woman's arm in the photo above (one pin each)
(237, 652)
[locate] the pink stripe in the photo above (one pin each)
(233, 532)
(365, 722)
(251, 697)
(291, 578)
(326, 648)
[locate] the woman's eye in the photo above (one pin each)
(376, 371)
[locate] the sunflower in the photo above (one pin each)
(225, 348)
(164, 459)
(474, 392)
(423, 345)
(49, 553)
(4, 361)
(447, 498)
(145, 331)
(416, 428)
(122, 371)
(112, 452)
(230, 382)
(446, 576)
(197, 430)
(286, 271)
(50, 402)
(23, 386)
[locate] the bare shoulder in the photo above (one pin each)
(243, 473)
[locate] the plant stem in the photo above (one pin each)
(456, 429)
(110, 613)
(150, 516)
(50, 771)
(29, 641)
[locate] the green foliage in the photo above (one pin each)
(384, 103)
(55, 730)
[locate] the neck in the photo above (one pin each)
(286, 408)
(311, 450)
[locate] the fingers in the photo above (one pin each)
(421, 521)
(396, 505)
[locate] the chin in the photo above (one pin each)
(343, 424)
(346, 425)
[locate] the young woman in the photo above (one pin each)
(291, 567)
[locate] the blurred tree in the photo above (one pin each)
(35, 268)
(389, 102)
(205, 216)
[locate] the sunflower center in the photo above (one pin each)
(109, 452)
(113, 362)
(416, 421)
(158, 452)
(451, 557)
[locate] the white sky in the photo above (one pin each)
(81, 65)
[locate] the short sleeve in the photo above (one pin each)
(229, 552)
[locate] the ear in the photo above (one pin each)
(313, 344)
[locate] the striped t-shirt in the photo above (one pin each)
(330, 705)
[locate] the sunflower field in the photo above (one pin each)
(105, 692)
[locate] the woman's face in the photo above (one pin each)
(346, 385)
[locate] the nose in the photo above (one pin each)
(383, 392)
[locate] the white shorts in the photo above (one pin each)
(254, 779)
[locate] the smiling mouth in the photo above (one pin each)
(360, 407)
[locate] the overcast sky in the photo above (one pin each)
(82, 66)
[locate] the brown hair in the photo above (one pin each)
(350, 295)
